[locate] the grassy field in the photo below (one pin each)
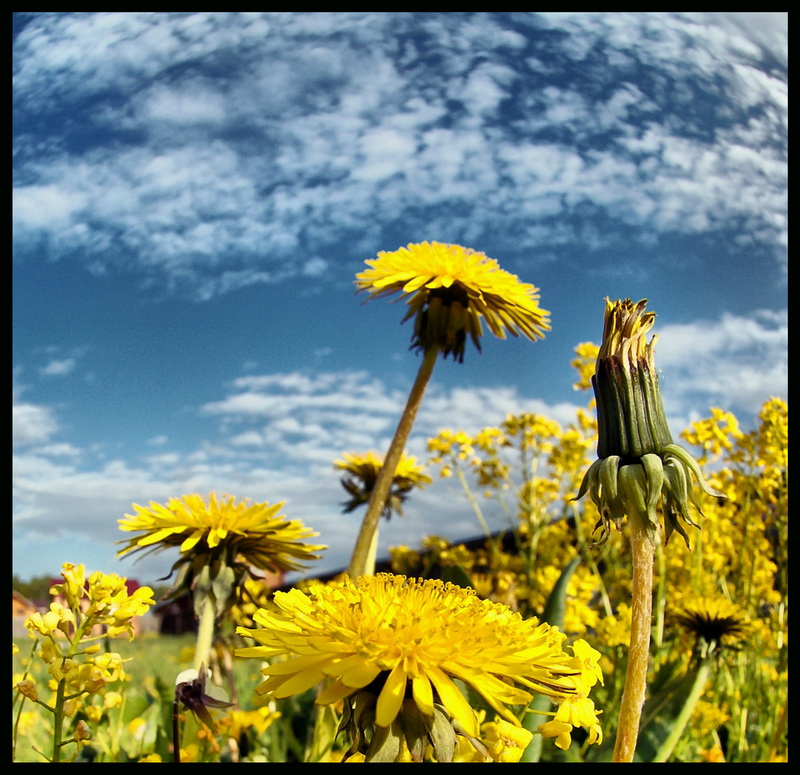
(142, 721)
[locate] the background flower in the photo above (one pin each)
(362, 473)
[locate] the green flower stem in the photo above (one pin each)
(205, 631)
(325, 729)
(360, 564)
(695, 693)
(473, 501)
(83, 626)
(58, 720)
(176, 731)
(633, 696)
(661, 597)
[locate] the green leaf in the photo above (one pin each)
(553, 612)
(455, 574)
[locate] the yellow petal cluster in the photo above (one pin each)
(256, 532)
(421, 638)
(367, 466)
(451, 289)
(361, 476)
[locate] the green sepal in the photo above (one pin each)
(633, 489)
(386, 743)
(415, 727)
(442, 735)
(222, 587)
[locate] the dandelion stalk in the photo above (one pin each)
(679, 724)
(449, 289)
(638, 469)
(360, 562)
(633, 695)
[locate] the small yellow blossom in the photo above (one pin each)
(112, 700)
(506, 742)
(588, 658)
(558, 729)
(82, 731)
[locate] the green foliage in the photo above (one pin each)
(36, 588)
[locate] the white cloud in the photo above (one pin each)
(58, 368)
(211, 151)
(258, 135)
(733, 363)
(32, 424)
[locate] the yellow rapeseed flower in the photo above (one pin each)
(449, 289)
(394, 649)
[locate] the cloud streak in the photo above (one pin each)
(241, 142)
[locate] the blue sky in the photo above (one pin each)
(194, 194)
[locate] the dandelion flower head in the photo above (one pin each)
(255, 533)
(714, 621)
(361, 475)
(449, 290)
(401, 639)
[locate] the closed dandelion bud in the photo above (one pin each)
(638, 466)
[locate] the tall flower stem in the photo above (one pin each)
(205, 633)
(698, 685)
(360, 562)
(58, 721)
(633, 696)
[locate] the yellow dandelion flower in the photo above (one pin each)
(449, 290)
(361, 474)
(256, 532)
(377, 641)
(714, 621)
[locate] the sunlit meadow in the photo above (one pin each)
(514, 649)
